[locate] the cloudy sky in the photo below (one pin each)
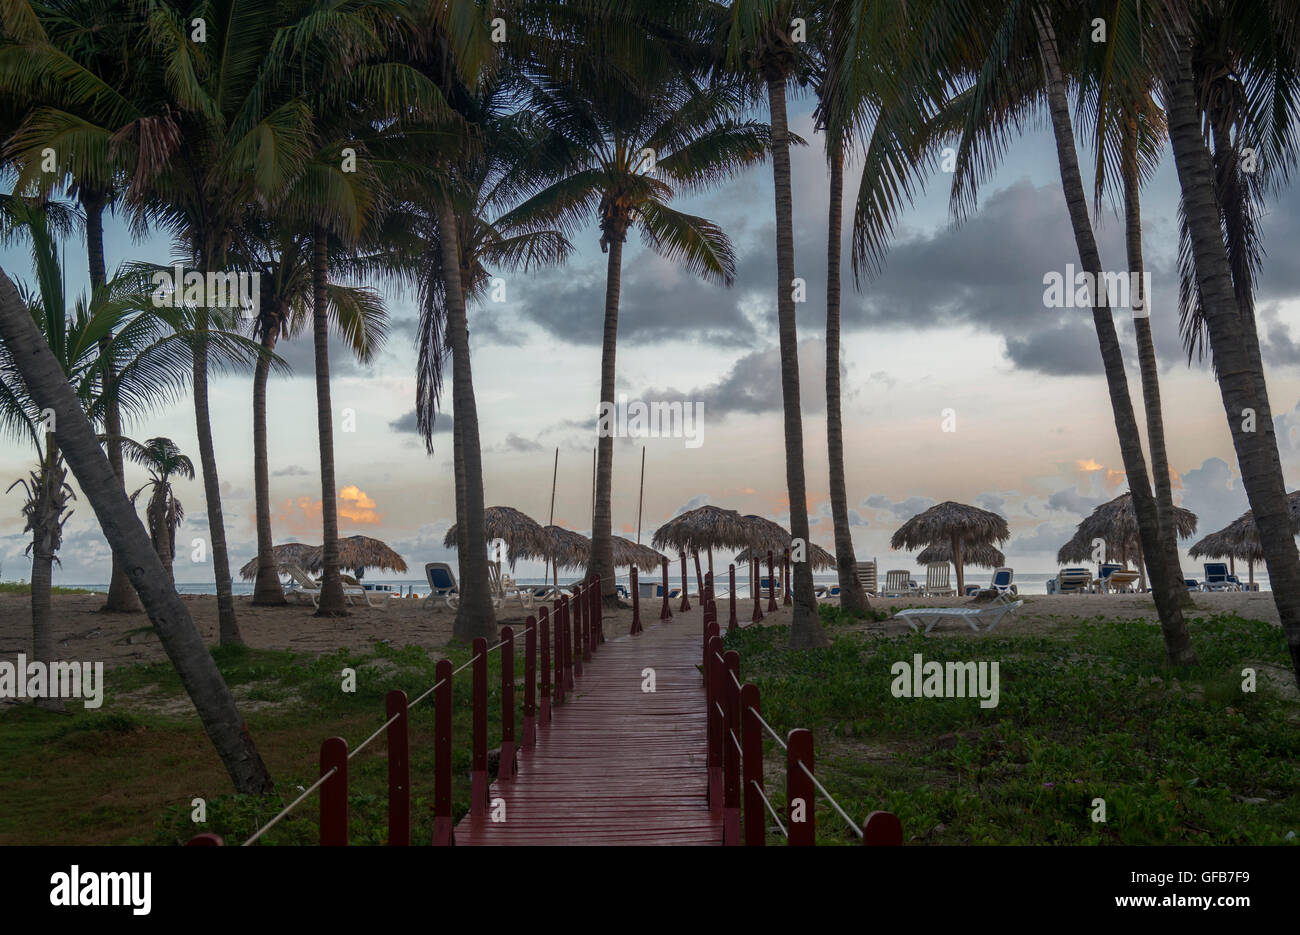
(957, 321)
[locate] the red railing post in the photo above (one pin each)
(686, 604)
(756, 586)
(800, 793)
(444, 832)
(557, 622)
(478, 777)
(588, 623)
(785, 577)
(544, 635)
(751, 742)
(882, 829)
(568, 644)
(334, 793)
(771, 583)
(717, 673)
(206, 839)
(507, 767)
(399, 769)
(731, 749)
(530, 683)
(665, 612)
(579, 602)
(731, 599)
(636, 603)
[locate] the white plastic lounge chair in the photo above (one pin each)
(936, 580)
(1100, 582)
(898, 583)
(1002, 578)
(504, 588)
(1216, 577)
(304, 585)
(442, 583)
(866, 572)
(989, 614)
(1073, 580)
(352, 588)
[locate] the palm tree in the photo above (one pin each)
(759, 40)
(623, 149)
(143, 354)
(1265, 38)
(164, 513)
(45, 383)
(1010, 65)
(93, 34)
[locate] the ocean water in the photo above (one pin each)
(1028, 583)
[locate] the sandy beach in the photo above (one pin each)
(85, 634)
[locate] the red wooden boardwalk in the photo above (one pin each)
(616, 765)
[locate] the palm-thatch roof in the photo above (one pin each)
(819, 557)
(1115, 522)
(701, 529)
(286, 553)
(1240, 538)
(950, 520)
(981, 555)
(765, 534)
(359, 553)
(627, 553)
(568, 549)
(522, 534)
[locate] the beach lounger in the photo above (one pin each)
(304, 585)
(353, 588)
(1103, 575)
(503, 588)
(1216, 577)
(990, 615)
(1192, 584)
(1073, 580)
(866, 572)
(442, 583)
(898, 583)
(1123, 579)
(1002, 578)
(936, 580)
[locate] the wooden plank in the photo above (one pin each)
(616, 765)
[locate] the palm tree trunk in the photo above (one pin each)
(1150, 375)
(601, 562)
(160, 532)
(805, 626)
(475, 617)
(266, 587)
(853, 599)
(46, 517)
(227, 625)
(332, 601)
(130, 543)
(1241, 381)
(121, 596)
(1178, 646)
(458, 465)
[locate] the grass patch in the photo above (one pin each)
(22, 587)
(1180, 757)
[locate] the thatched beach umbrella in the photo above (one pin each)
(1115, 523)
(981, 556)
(703, 529)
(817, 556)
(1240, 539)
(627, 553)
(522, 534)
(959, 525)
(359, 553)
(287, 553)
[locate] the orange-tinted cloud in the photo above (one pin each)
(1113, 477)
(303, 516)
(1088, 465)
(354, 505)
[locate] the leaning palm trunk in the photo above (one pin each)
(121, 596)
(266, 588)
(1241, 380)
(475, 616)
(853, 599)
(1178, 646)
(1150, 375)
(227, 625)
(333, 603)
(130, 543)
(805, 627)
(602, 523)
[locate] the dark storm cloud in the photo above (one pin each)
(408, 423)
(753, 384)
(292, 470)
